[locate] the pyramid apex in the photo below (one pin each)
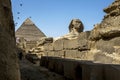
(28, 21)
(29, 31)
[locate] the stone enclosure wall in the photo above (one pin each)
(9, 69)
(102, 44)
(68, 48)
(81, 69)
(89, 55)
(96, 52)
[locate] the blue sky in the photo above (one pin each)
(53, 16)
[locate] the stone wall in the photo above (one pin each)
(102, 44)
(105, 37)
(89, 55)
(9, 69)
(66, 48)
(81, 69)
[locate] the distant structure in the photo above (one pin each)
(27, 35)
(75, 28)
(29, 31)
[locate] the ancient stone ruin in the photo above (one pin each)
(29, 31)
(78, 55)
(105, 36)
(75, 28)
(9, 69)
(99, 45)
(89, 55)
(27, 35)
(102, 41)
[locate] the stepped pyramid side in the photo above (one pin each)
(29, 31)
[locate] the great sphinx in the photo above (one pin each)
(75, 28)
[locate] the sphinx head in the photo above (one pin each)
(76, 25)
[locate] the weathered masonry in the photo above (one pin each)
(9, 69)
(81, 69)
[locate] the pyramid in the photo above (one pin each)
(29, 31)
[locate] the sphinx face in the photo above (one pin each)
(76, 25)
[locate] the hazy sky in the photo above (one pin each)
(53, 16)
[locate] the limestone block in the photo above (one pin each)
(45, 53)
(44, 61)
(108, 45)
(59, 67)
(81, 71)
(83, 41)
(48, 46)
(84, 35)
(51, 47)
(69, 68)
(112, 72)
(117, 49)
(81, 54)
(40, 54)
(51, 63)
(56, 64)
(44, 40)
(58, 44)
(71, 44)
(33, 58)
(45, 47)
(70, 53)
(50, 53)
(59, 53)
(93, 71)
(102, 58)
(97, 72)
(56, 53)
(74, 69)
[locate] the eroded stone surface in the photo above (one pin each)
(9, 69)
(110, 26)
